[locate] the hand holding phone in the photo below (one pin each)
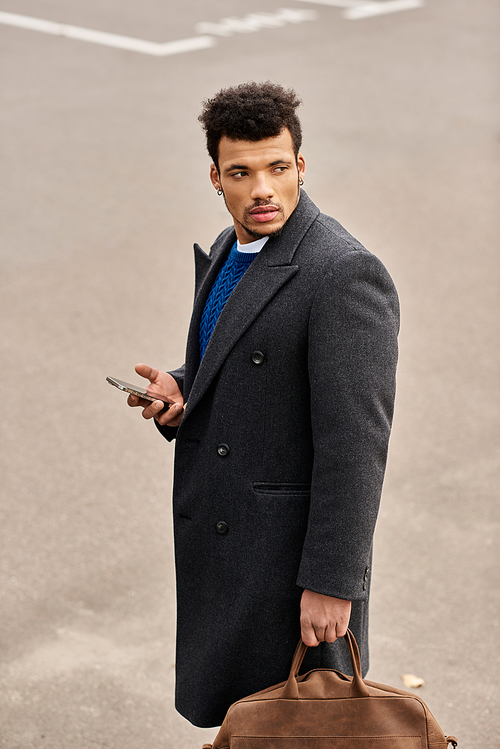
(169, 411)
(126, 387)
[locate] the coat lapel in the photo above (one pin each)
(206, 271)
(270, 270)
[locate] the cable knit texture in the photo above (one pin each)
(231, 272)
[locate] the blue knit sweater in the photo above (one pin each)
(229, 275)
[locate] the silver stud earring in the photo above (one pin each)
(219, 192)
(301, 181)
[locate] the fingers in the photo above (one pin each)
(134, 401)
(326, 634)
(171, 417)
(341, 629)
(312, 635)
(331, 633)
(156, 410)
(323, 618)
(151, 408)
(308, 634)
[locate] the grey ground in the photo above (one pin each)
(104, 188)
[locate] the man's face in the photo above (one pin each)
(260, 182)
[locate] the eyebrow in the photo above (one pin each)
(238, 167)
(244, 167)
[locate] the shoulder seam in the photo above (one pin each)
(355, 246)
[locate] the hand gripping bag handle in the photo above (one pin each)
(358, 686)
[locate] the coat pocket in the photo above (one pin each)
(284, 490)
(279, 515)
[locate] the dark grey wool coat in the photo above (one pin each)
(280, 457)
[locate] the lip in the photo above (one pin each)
(264, 213)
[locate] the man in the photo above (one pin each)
(282, 415)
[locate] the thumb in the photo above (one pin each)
(144, 370)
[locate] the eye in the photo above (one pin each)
(280, 169)
(238, 175)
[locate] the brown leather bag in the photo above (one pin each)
(325, 709)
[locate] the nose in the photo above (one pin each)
(261, 189)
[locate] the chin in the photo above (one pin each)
(269, 232)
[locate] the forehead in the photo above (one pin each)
(256, 153)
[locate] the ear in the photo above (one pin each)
(301, 165)
(214, 177)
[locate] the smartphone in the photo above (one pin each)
(126, 387)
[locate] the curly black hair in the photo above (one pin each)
(251, 111)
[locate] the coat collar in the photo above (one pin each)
(270, 270)
(280, 250)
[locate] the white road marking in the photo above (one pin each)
(369, 10)
(255, 22)
(355, 9)
(108, 40)
(336, 3)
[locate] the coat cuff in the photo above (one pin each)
(354, 588)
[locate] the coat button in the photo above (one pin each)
(223, 449)
(257, 357)
(222, 528)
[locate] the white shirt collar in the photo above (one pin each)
(252, 246)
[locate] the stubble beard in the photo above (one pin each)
(256, 234)
(260, 234)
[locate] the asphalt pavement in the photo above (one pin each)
(103, 190)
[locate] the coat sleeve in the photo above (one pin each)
(170, 432)
(178, 375)
(352, 359)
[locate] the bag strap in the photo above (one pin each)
(451, 740)
(358, 686)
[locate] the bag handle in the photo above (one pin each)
(358, 686)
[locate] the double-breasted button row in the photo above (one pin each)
(222, 527)
(258, 357)
(223, 449)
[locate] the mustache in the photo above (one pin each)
(264, 204)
